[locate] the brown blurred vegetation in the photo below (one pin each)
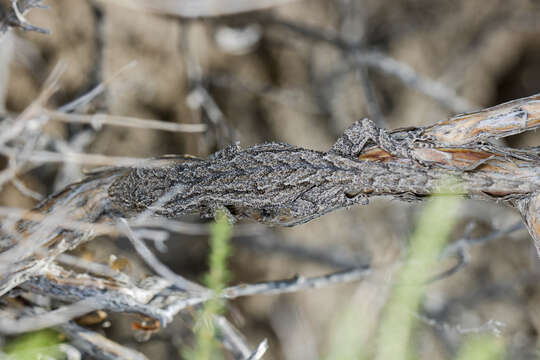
(285, 86)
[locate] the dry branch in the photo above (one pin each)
(200, 8)
(156, 297)
(279, 184)
(359, 55)
(275, 184)
(97, 345)
(13, 16)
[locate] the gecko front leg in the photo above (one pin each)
(211, 211)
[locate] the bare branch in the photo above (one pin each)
(201, 8)
(98, 120)
(460, 249)
(14, 16)
(11, 326)
(259, 352)
(434, 89)
(155, 264)
(378, 61)
(296, 284)
(232, 338)
(158, 298)
(284, 185)
(43, 156)
(97, 345)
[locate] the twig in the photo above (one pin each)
(97, 345)
(460, 249)
(386, 64)
(467, 242)
(434, 89)
(353, 29)
(6, 44)
(272, 288)
(11, 326)
(30, 118)
(14, 16)
(23, 189)
(91, 267)
(201, 98)
(201, 8)
(373, 108)
(232, 338)
(97, 90)
(43, 156)
(295, 98)
(295, 284)
(155, 264)
(158, 298)
(268, 242)
(70, 172)
(259, 352)
(491, 326)
(98, 120)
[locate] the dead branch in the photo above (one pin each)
(13, 16)
(98, 120)
(275, 184)
(460, 249)
(97, 345)
(42, 320)
(280, 184)
(373, 59)
(235, 342)
(201, 8)
(158, 298)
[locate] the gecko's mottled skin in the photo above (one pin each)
(280, 184)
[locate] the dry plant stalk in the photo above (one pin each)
(199, 8)
(280, 184)
(12, 15)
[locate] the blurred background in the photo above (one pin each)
(298, 72)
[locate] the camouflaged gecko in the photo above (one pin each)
(281, 184)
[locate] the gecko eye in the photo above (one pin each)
(266, 213)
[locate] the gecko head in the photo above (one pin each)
(355, 138)
(356, 196)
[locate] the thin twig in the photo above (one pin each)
(386, 64)
(148, 256)
(11, 326)
(460, 249)
(97, 345)
(97, 90)
(98, 120)
(167, 300)
(200, 8)
(260, 351)
(43, 156)
(14, 16)
(232, 338)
